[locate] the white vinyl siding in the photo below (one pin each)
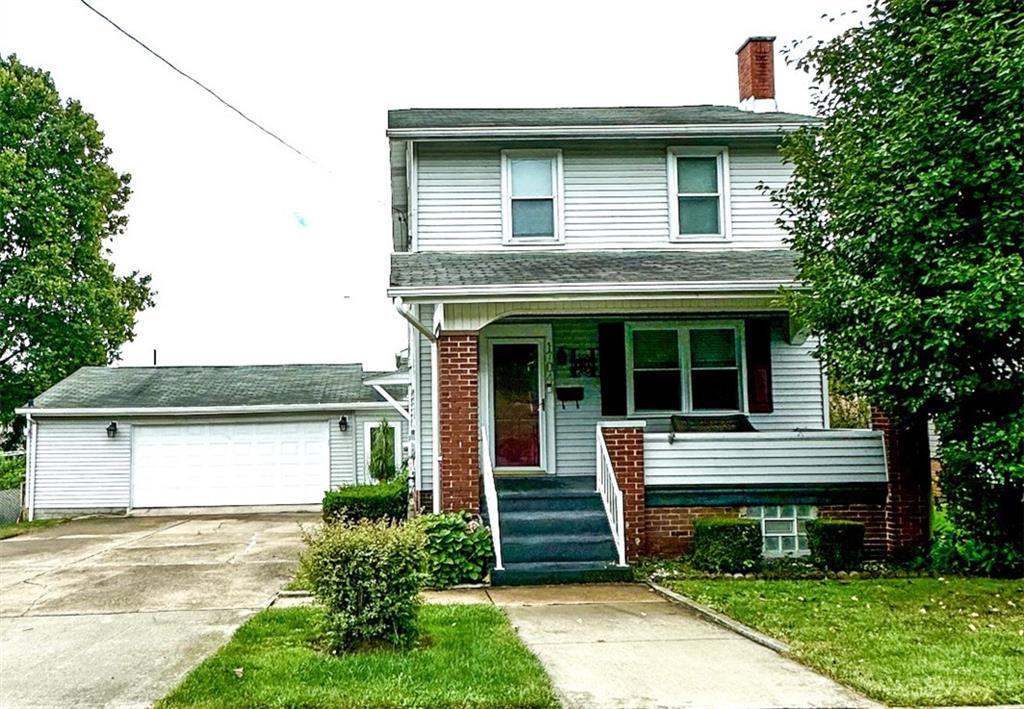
(574, 427)
(78, 466)
(424, 403)
(753, 213)
(763, 458)
(458, 199)
(613, 197)
(799, 400)
(343, 463)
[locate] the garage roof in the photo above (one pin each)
(254, 386)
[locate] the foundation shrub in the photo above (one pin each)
(726, 544)
(367, 579)
(836, 544)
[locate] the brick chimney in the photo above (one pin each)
(756, 64)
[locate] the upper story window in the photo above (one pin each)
(531, 192)
(674, 368)
(699, 193)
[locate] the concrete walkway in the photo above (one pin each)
(623, 646)
(115, 612)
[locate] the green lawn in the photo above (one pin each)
(470, 657)
(913, 642)
(13, 530)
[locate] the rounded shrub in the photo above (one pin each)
(386, 501)
(836, 544)
(459, 548)
(367, 578)
(726, 544)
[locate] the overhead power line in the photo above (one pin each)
(201, 85)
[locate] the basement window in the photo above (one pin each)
(782, 528)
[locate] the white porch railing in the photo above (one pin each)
(611, 496)
(491, 496)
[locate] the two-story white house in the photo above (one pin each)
(598, 348)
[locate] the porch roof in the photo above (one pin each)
(439, 274)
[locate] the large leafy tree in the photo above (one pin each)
(62, 305)
(906, 212)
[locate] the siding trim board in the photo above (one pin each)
(772, 494)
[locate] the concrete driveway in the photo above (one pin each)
(113, 612)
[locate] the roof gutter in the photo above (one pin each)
(406, 313)
(599, 289)
(205, 410)
(763, 130)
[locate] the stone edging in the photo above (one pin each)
(720, 619)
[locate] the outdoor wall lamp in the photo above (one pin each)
(112, 429)
(343, 423)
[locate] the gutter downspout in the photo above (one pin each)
(30, 472)
(406, 313)
(435, 473)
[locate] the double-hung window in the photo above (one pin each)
(531, 189)
(697, 181)
(684, 368)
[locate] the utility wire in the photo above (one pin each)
(201, 85)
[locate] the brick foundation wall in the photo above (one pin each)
(876, 536)
(626, 451)
(670, 529)
(458, 421)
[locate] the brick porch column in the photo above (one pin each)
(908, 502)
(625, 441)
(458, 421)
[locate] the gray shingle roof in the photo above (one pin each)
(412, 118)
(257, 385)
(426, 270)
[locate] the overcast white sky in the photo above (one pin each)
(258, 256)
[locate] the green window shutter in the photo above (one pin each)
(611, 343)
(759, 366)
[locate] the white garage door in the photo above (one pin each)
(203, 465)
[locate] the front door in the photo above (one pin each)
(518, 401)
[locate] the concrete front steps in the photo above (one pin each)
(554, 530)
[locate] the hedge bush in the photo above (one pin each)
(12, 471)
(726, 544)
(458, 548)
(836, 544)
(367, 577)
(385, 501)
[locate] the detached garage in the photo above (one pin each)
(132, 438)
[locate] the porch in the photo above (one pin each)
(591, 526)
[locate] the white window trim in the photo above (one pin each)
(506, 197)
(683, 330)
(368, 426)
(724, 204)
